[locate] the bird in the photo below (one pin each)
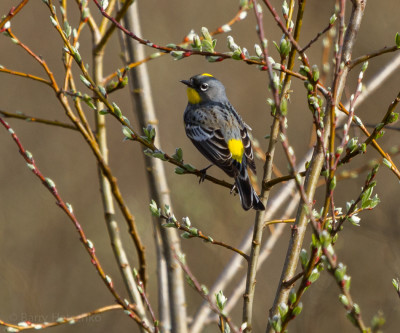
(220, 134)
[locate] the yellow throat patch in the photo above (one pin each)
(236, 148)
(193, 96)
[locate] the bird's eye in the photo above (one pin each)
(204, 86)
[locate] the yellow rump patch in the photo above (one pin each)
(206, 74)
(236, 148)
(193, 96)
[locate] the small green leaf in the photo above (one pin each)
(53, 21)
(397, 39)
(314, 275)
(332, 20)
(387, 163)
(297, 309)
(303, 258)
(344, 300)
(283, 309)
(315, 73)
(396, 284)
(276, 323)
(177, 55)
(155, 211)
(221, 300)
(117, 110)
(85, 81)
(189, 167)
(179, 171)
(127, 132)
(178, 156)
(292, 296)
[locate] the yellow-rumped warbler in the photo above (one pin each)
(220, 134)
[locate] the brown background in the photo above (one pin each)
(45, 272)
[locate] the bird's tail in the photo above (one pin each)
(248, 197)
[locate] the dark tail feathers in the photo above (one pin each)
(248, 197)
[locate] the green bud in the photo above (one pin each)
(117, 110)
(297, 309)
(276, 323)
(206, 35)
(292, 296)
(284, 47)
(315, 73)
(332, 183)
(340, 272)
(258, 50)
(155, 211)
(178, 156)
(221, 300)
(356, 308)
(177, 55)
(303, 258)
(344, 300)
(304, 70)
(196, 45)
(283, 309)
(393, 117)
(314, 275)
(283, 106)
(332, 20)
(396, 284)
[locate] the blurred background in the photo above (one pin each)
(45, 271)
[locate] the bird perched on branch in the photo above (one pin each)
(220, 134)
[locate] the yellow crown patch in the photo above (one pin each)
(206, 74)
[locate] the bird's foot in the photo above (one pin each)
(203, 173)
(233, 189)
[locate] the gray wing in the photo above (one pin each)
(248, 150)
(211, 143)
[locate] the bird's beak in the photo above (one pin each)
(187, 82)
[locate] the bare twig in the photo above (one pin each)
(31, 119)
(351, 64)
(67, 208)
(198, 287)
(13, 11)
(316, 166)
(60, 321)
(141, 93)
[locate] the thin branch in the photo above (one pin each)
(248, 297)
(107, 196)
(23, 326)
(93, 144)
(159, 191)
(25, 75)
(192, 232)
(314, 170)
(312, 41)
(13, 11)
(198, 287)
(99, 48)
(352, 63)
(373, 135)
(31, 119)
(186, 42)
(67, 208)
